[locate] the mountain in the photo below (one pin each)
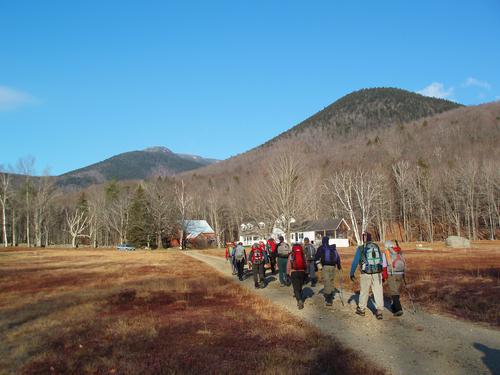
(368, 109)
(134, 165)
(372, 127)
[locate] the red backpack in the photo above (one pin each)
(257, 256)
(271, 246)
(298, 262)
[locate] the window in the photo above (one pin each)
(301, 236)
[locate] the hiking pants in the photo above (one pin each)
(233, 265)
(240, 265)
(311, 267)
(282, 269)
(298, 279)
(329, 279)
(258, 273)
(375, 282)
(272, 261)
(395, 282)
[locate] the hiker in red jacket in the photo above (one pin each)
(256, 260)
(271, 250)
(297, 270)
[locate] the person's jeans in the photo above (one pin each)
(240, 264)
(282, 269)
(312, 270)
(298, 278)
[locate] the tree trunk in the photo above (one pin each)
(4, 226)
(13, 227)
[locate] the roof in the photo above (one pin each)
(197, 227)
(318, 225)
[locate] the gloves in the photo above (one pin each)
(385, 275)
(353, 278)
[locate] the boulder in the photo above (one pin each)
(457, 242)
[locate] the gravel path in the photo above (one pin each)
(419, 343)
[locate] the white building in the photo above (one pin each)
(335, 228)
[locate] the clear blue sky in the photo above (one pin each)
(81, 81)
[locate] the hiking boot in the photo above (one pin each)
(256, 286)
(300, 304)
(313, 284)
(328, 300)
(398, 313)
(360, 312)
(282, 285)
(379, 315)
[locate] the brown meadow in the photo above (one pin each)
(108, 312)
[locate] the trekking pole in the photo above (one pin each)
(409, 294)
(341, 289)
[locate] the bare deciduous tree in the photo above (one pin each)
(357, 192)
(183, 202)
(161, 203)
(4, 197)
(77, 223)
(280, 195)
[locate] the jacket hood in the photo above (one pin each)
(325, 241)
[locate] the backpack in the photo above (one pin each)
(330, 257)
(271, 245)
(284, 249)
(297, 259)
(310, 252)
(371, 259)
(397, 262)
(239, 253)
(257, 256)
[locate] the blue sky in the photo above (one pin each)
(81, 81)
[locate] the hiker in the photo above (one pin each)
(396, 272)
(240, 257)
(283, 250)
(297, 270)
(271, 251)
(310, 252)
(230, 256)
(373, 267)
(257, 260)
(329, 258)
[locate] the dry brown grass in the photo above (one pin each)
(107, 312)
(464, 283)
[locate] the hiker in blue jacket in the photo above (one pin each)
(372, 264)
(330, 261)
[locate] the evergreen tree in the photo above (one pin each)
(139, 225)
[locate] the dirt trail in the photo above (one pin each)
(420, 343)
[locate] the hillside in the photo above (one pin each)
(134, 165)
(381, 131)
(368, 109)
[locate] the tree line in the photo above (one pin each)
(408, 200)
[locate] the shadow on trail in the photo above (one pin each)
(307, 292)
(491, 358)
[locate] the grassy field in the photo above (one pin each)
(108, 312)
(464, 283)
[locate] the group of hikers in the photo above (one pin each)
(298, 264)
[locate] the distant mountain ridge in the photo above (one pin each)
(133, 165)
